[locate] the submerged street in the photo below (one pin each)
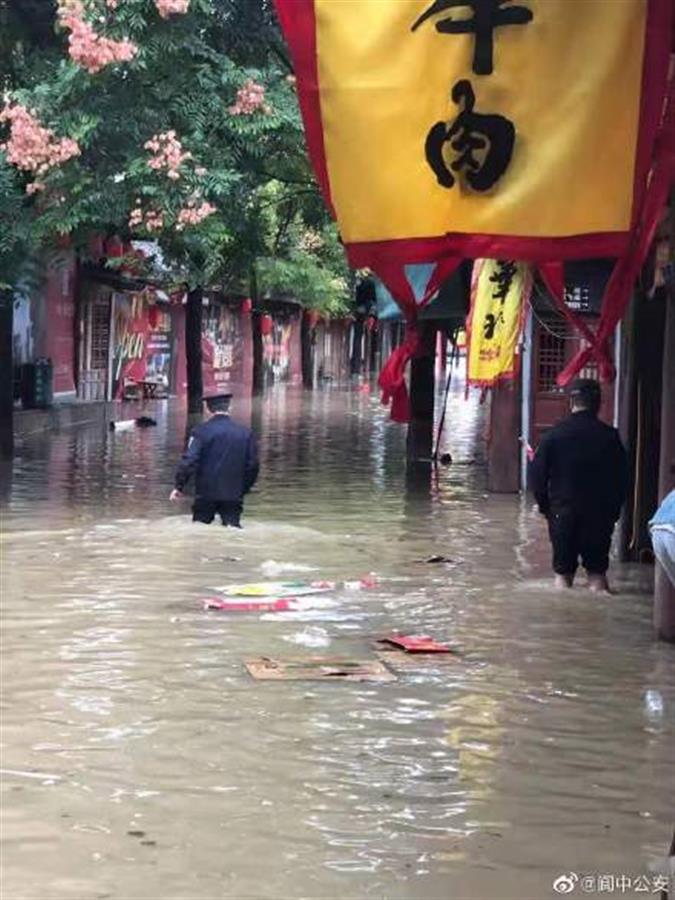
(140, 760)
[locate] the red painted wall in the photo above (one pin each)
(53, 315)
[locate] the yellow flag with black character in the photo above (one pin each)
(500, 291)
(480, 128)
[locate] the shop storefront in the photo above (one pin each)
(127, 344)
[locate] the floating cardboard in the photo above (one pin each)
(318, 668)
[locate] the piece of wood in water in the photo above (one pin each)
(400, 661)
(318, 668)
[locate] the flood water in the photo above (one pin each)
(140, 760)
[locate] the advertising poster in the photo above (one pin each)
(222, 348)
(142, 343)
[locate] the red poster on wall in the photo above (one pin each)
(142, 343)
(223, 348)
(281, 349)
(59, 333)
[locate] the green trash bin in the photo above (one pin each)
(37, 384)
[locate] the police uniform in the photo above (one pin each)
(579, 479)
(223, 458)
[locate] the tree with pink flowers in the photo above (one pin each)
(169, 120)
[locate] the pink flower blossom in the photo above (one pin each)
(167, 8)
(151, 219)
(250, 98)
(168, 154)
(90, 50)
(32, 147)
(194, 213)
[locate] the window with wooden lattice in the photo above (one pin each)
(551, 359)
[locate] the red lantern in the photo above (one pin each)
(266, 324)
(371, 323)
(247, 306)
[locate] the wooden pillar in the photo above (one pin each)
(193, 350)
(504, 445)
(664, 592)
(420, 442)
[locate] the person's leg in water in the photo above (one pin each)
(596, 540)
(230, 513)
(562, 533)
(203, 511)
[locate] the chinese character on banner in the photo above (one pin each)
(500, 290)
(442, 130)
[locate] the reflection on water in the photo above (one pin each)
(140, 761)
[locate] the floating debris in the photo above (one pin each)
(318, 669)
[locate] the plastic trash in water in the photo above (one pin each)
(654, 706)
(363, 584)
(284, 604)
(271, 567)
(312, 636)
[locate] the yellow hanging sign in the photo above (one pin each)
(500, 290)
(520, 128)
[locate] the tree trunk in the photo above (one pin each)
(420, 442)
(6, 373)
(258, 373)
(193, 350)
(306, 341)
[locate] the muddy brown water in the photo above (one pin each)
(141, 761)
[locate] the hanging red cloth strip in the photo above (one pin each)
(627, 269)
(392, 377)
(553, 277)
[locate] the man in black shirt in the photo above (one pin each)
(579, 480)
(223, 457)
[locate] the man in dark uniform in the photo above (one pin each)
(223, 457)
(579, 479)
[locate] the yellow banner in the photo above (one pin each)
(500, 290)
(490, 117)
